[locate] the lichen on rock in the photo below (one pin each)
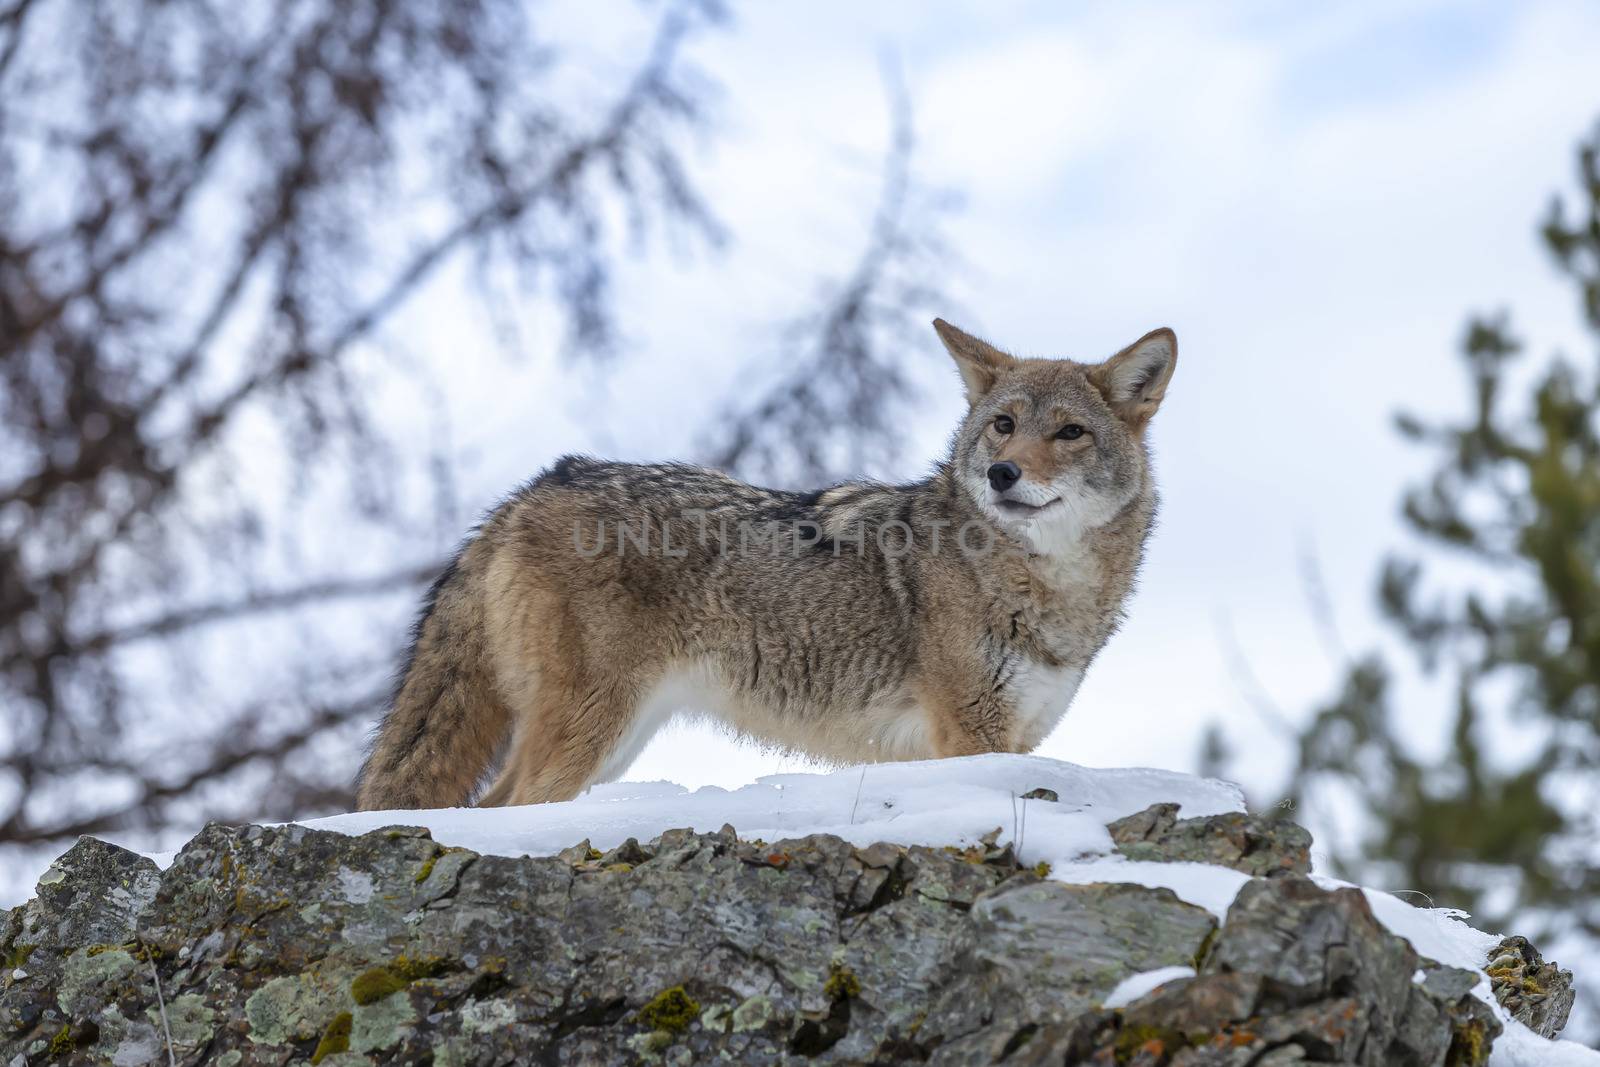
(1535, 993)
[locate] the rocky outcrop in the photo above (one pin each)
(1535, 993)
(276, 945)
(1246, 843)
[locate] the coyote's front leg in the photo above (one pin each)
(969, 712)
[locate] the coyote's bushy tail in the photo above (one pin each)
(447, 722)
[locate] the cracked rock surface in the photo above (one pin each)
(285, 945)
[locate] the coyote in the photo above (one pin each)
(862, 622)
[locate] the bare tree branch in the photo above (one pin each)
(225, 758)
(835, 408)
(211, 218)
(254, 604)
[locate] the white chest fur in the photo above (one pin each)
(1040, 695)
(1065, 565)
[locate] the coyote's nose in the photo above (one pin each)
(1004, 475)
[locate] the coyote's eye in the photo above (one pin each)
(1070, 432)
(1003, 424)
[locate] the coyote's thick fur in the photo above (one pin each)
(862, 622)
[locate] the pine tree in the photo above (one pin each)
(1511, 510)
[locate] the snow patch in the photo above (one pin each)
(1212, 888)
(1521, 1047)
(1135, 986)
(938, 802)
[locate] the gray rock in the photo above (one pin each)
(1245, 842)
(1330, 979)
(282, 944)
(1537, 994)
(1043, 952)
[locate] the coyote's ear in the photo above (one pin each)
(1134, 380)
(980, 364)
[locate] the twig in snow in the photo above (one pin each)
(1413, 893)
(1022, 835)
(859, 783)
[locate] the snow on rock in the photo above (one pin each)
(957, 802)
(1443, 934)
(1521, 1047)
(1213, 888)
(1133, 896)
(1135, 986)
(944, 802)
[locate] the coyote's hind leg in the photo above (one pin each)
(570, 733)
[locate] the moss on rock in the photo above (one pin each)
(416, 968)
(1469, 1047)
(62, 1043)
(336, 1038)
(372, 986)
(671, 1010)
(842, 984)
(1156, 1040)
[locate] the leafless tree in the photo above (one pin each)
(210, 212)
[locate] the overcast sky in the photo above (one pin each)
(1314, 196)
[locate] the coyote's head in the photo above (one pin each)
(1052, 447)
